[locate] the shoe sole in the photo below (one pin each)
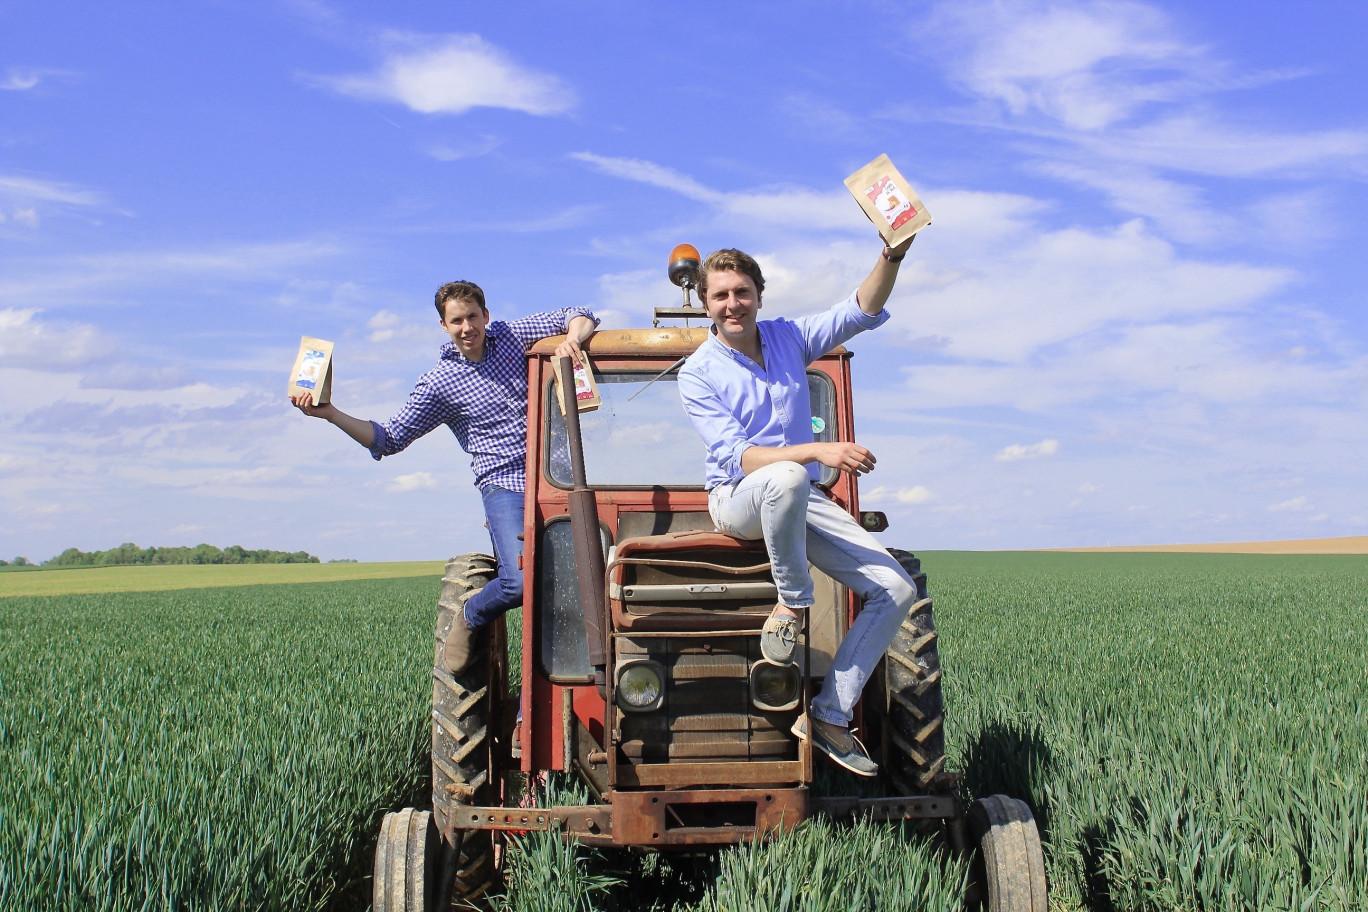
(799, 731)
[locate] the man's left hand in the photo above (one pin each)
(570, 348)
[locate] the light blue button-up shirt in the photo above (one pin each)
(736, 404)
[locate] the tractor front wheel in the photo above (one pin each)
(406, 862)
(1008, 866)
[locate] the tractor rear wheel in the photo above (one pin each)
(1008, 870)
(461, 735)
(913, 711)
(406, 862)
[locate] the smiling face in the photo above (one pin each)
(733, 304)
(465, 322)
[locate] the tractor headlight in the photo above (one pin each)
(775, 687)
(640, 686)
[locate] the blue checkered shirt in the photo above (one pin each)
(483, 402)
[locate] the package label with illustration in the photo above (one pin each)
(312, 371)
(888, 200)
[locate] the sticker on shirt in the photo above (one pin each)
(818, 425)
(891, 202)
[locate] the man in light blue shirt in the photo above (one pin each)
(746, 391)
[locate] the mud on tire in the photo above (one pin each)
(913, 733)
(461, 734)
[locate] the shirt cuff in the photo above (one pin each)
(572, 312)
(379, 443)
(862, 319)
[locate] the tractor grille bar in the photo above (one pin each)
(707, 714)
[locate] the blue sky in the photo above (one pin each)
(1136, 319)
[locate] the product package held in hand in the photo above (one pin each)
(586, 388)
(312, 372)
(889, 201)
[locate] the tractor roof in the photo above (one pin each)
(663, 341)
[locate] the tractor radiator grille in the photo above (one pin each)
(707, 714)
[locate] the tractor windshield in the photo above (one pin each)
(649, 441)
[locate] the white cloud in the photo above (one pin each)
(1004, 302)
(413, 337)
(646, 172)
(472, 147)
(1209, 362)
(795, 207)
(416, 481)
(28, 188)
(51, 280)
(18, 79)
(915, 494)
(22, 78)
(1295, 505)
(251, 477)
(383, 326)
(1085, 66)
(127, 376)
(1018, 451)
(1120, 83)
(28, 342)
(450, 74)
(1199, 144)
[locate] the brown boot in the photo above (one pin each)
(460, 646)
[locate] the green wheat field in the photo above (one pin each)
(1190, 730)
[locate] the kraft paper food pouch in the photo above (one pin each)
(586, 388)
(888, 200)
(312, 372)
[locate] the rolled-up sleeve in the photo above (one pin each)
(529, 329)
(722, 433)
(423, 411)
(824, 331)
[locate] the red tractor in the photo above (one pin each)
(641, 670)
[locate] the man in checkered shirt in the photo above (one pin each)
(478, 388)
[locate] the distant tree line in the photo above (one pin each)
(129, 553)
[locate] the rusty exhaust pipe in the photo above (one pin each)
(584, 529)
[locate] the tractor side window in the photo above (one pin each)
(562, 651)
(823, 395)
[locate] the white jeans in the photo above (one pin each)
(799, 523)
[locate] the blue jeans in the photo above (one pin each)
(799, 523)
(504, 517)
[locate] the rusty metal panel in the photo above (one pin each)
(680, 818)
(590, 820)
(691, 775)
(905, 807)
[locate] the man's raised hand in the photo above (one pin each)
(304, 402)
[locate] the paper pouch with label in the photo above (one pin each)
(312, 372)
(586, 388)
(888, 200)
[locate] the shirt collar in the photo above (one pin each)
(735, 355)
